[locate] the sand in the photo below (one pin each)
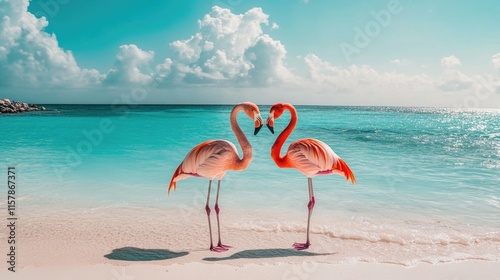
(134, 243)
(196, 270)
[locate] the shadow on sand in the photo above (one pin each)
(267, 253)
(138, 254)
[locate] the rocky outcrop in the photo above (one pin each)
(8, 107)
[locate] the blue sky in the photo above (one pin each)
(423, 31)
(428, 53)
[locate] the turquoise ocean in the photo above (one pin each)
(425, 176)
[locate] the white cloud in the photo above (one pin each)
(230, 48)
(189, 51)
(364, 85)
(361, 78)
(496, 61)
(450, 61)
(31, 57)
(267, 56)
(163, 70)
(452, 79)
(126, 69)
(274, 26)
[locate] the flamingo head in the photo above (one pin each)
(258, 122)
(275, 112)
(253, 112)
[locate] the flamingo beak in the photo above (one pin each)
(258, 123)
(270, 122)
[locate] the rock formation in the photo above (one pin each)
(8, 107)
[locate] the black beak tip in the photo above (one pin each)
(270, 128)
(257, 129)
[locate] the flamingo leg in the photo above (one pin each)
(310, 206)
(217, 210)
(207, 209)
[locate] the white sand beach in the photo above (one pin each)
(286, 271)
(127, 244)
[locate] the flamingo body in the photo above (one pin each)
(213, 158)
(210, 159)
(310, 156)
(313, 157)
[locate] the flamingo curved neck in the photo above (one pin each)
(242, 139)
(278, 144)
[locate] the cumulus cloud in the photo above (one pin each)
(267, 56)
(127, 70)
(361, 77)
(229, 48)
(163, 70)
(29, 56)
(453, 79)
(450, 61)
(362, 84)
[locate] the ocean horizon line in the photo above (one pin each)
(266, 104)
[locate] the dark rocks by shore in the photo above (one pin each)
(8, 107)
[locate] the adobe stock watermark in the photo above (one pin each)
(121, 275)
(91, 139)
(403, 172)
(300, 271)
(199, 199)
(199, 202)
(47, 8)
(483, 90)
(364, 36)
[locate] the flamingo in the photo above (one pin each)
(213, 158)
(309, 156)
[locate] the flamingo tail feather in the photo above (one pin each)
(173, 182)
(344, 168)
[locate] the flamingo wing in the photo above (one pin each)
(313, 157)
(210, 159)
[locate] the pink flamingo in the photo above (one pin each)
(213, 158)
(309, 156)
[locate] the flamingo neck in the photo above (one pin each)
(242, 139)
(278, 144)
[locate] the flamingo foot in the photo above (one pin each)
(217, 249)
(224, 246)
(301, 246)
